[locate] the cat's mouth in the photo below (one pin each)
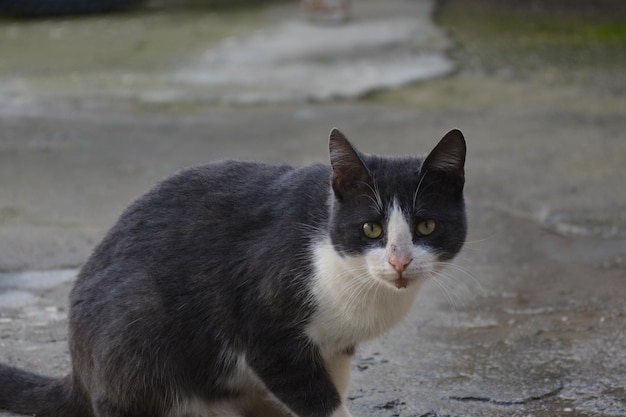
(397, 283)
(400, 283)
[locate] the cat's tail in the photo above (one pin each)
(24, 392)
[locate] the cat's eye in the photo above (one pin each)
(372, 230)
(426, 227)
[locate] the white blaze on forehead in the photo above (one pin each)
(398, 229)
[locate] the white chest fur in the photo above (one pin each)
(352, 305)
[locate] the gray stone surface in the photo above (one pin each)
(529, 321)
(300, 60)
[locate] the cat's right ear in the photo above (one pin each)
(449, 154)
(349, 171)
(447, 160)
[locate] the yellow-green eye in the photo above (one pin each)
(426, 227)
(372, 230)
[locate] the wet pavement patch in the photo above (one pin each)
(211, 58)
(515, 401)
(19, 289)
(298, 60)
(36, 280)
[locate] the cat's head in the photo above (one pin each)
(398, 218)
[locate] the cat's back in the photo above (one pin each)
(233, 190)
(214, 210)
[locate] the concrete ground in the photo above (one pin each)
(530, 322)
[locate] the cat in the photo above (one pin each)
(242, 289)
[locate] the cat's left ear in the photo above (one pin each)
(349, 171)
(448, 157)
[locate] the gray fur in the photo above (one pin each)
(214, 264)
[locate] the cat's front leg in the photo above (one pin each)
(297, 376)
(339, 365)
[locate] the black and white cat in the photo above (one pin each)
(242, 289)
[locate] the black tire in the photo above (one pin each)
(35, 8)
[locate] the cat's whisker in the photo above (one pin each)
(470, 250)
(375, 203)
(460, 289)
(377, 194)
(361, 283)
(377, 200)
(482, 240)
(352, 294)
(355, 270)
(418, 189)
(358, 280)
(445, 291)
(424, 198)
(466, 273)
(463, 294)
(310, 228)
(420, 199)
(358, 292)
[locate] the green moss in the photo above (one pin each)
(501, 34)
(512, 55)
(147, 41)
(9, 213)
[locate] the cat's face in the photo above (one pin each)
(398, 219)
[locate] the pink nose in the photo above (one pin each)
(399, 263)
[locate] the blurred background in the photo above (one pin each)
(99, 100)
